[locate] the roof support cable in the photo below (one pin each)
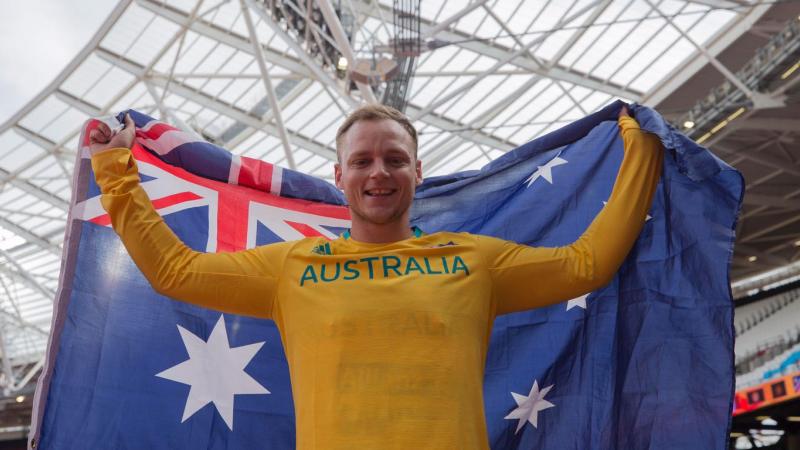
(273, 100)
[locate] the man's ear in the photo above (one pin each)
(418, 170)
(337, 175)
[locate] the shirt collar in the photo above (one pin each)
(415, 229)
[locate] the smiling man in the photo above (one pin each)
(378, 171)
(386, 328)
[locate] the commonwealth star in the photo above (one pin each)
(215, 372)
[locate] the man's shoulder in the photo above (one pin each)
(447, 238)
(463, 237)
(306, 244)
(460, 234)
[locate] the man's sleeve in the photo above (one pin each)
(241, 283)
(530, 277)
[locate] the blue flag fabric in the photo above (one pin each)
(643, 363)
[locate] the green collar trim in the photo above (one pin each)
(415, 229)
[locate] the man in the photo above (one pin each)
(386, 328)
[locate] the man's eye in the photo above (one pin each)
(358, 163)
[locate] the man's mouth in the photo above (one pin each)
(380, 192)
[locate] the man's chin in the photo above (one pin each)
(379, 217)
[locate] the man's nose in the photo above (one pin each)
(379, 169)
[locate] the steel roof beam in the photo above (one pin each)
(276, 113)
(230, 76)
(116, 13)
(220, 34)
(344, 45)
(302, 67)
(318, 73)
(756, 155)
(444, 149)
(10, 379)
(771, 162)
(29, 248)
(769, 229)
(765, 257)
(457, 128)
(772, 201)
(518, 52)
(760, 100)
(78, 103)
(12, 299)
(721, 4)
(19, 321)
(43, 243)
(238, 132)
(21, 275)
(771, 124)
(499, 52)
(51, 147)
(32, 189)
(467, 73)
(29, 375)
(241, 43)
(715, 45)
(599, 9)
(431, 32)
(214, 104)
(532, 56)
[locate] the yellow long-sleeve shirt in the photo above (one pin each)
(386, 343)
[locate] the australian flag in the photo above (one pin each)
(643, 363)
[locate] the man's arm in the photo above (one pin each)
(530, 277)
(241, 283)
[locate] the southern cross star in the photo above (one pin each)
(528, 407)
(577, 302)
(546, 171)
(215, 372)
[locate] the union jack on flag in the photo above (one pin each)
(234, 215)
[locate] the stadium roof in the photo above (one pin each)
(500, 73)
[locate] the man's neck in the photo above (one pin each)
(380, 233)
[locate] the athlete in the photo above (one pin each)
(385, 328)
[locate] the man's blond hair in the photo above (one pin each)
(374, 112)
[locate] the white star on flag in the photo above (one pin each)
(645, 219)
(215, 372)
(578, 301)
(546, 171)
(528, 407)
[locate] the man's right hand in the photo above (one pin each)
(102, 138)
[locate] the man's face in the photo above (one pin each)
(377, 171)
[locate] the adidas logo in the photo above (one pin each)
(322, 249)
